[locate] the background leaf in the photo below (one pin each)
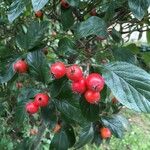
(92, 26)
(138, 7)
(38, 66)
(38, 4)
(117, 124)
(34, 35)
(86, 135)
(64, 139)
(67, 18)
(16, 8)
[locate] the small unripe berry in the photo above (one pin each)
(57, 128)
(33, 132)
(92, 96)
(79, 86)
(19, 85)
(93, 12)
(31, 108)
(114, 100)
(39, 14)
(41, 99)
(64, 4)
(58, 69)
(45, 50)
(21, 66)
(74, 73)
(95, 82)
(105, 133)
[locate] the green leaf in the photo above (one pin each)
(70, 111)
(63, 140)
(67, 18)
(38, 66)
(129, 84)
(10, 73)
(116, 35)
(85, 136)
(25, 96)
(89, 111)
(38, 4)
(73, 2)
(66, 47)
(148, 36)
(138, 7)
(123, 54)
(16, 8)
(92, 26)
(48, 114)
(56, 86)
(117, 124)
(133, 48)
(34, 35)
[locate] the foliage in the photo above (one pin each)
(74, 35)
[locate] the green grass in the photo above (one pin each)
(137, 139)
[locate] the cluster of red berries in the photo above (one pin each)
(90, 86)
(40, 100)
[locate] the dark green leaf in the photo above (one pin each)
(10, 73)
(70, 111)
(138, 7)
(116, 36)
(49, 114)
(66, 47)
(124, 54)
(38, 4)
(67, 18)
(34, 35)
(38, 66)
(117, 124)
(92, 26)
(148, 36)
(57, 86)
(85, 136)
(133, 48)
(16, 8)
(129, 84)
(89, 111)
(63, 140)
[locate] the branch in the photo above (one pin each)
(39, 136)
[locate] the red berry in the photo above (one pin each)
(95, 82)
(58, 69)
(41, 99)
(105, 133)
(21, 66)
(39, 14)
(31, 108)
(92, 96)
(79, 86)
(64, 4)
(74, 73)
